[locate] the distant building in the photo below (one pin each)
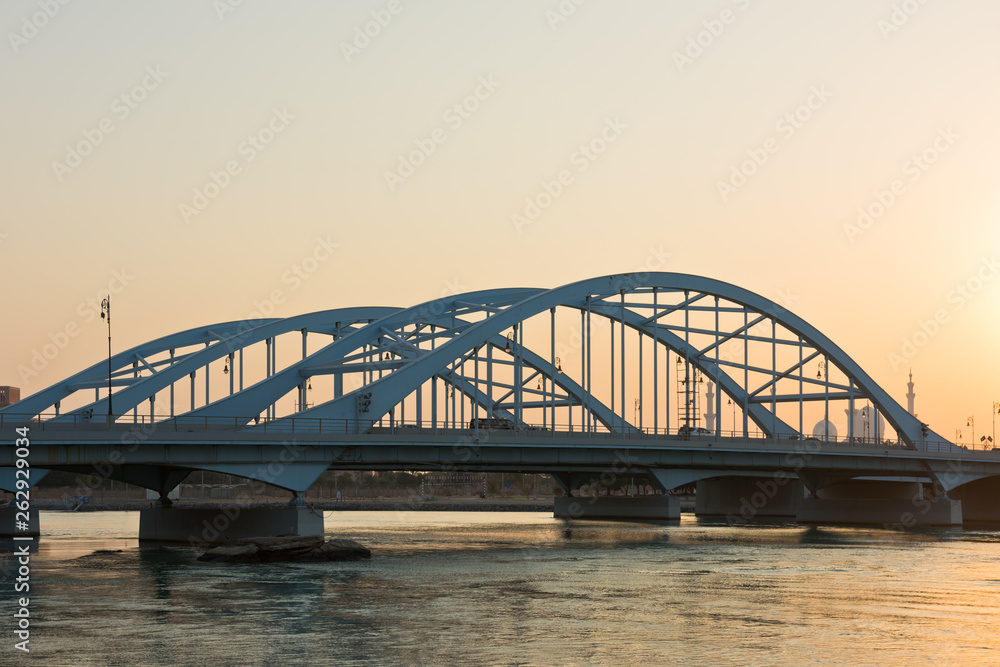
(910, 396)
(9, 395)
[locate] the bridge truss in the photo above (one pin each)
(660, 353)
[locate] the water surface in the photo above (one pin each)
(447, 588)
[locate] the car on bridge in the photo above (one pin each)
(491, 424)
(687, 430)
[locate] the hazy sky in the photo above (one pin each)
(190, 155)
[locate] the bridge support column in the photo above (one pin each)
(894, 505)
(741, 499)
(200, 527)
(643, 508)
(980, 501)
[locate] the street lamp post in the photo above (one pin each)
(971, 422)
(106, 315)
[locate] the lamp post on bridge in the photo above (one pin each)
(106, 315)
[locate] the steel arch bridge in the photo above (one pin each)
(657, 353)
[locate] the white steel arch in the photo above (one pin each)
(394, 353)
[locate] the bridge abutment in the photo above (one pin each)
(642, 508)
(200, 527)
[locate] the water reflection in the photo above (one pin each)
(457, 588)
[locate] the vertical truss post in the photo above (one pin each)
(585, 356)
(135, 375)
(688, 379)
(552, 361)
(639, 425)
(518, 376)
(801, 376)
(208, 374)
(718, 387)
(746, 374)
(774, 374)
(826, 398)
(611, 401)
(489, 380)
(302, 387)
(623, 359)
(656, 366)
(434, 403)
(171, 386)
(267, 370)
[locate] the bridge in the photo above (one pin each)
(675, 379)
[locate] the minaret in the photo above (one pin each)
(910, 395)
(710, 410)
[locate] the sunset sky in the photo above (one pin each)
(196, 156)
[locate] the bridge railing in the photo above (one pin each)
(147, 425)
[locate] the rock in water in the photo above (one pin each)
(337, 550)
(298, 548)
(230, 553)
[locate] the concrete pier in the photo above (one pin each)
(642, 508)
(887, 504)
(748, 498)
(882, 512)
(9, 519)
(199, 527)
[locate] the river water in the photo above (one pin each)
(452, 588)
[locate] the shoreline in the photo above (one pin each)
(368, 505)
